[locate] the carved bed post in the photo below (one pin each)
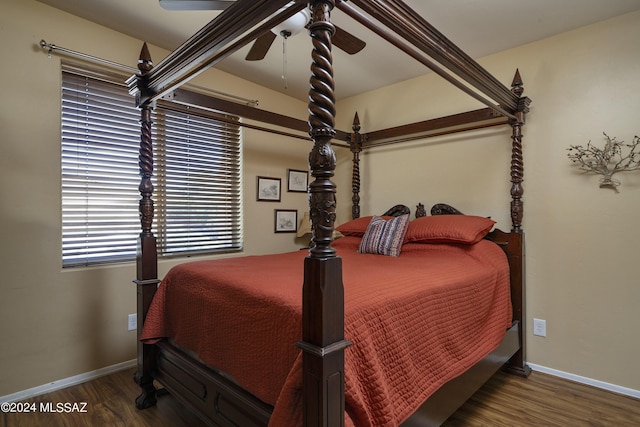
(355, 144)
(323, 341)
(146, 257)
(517, 163)
(517, 363)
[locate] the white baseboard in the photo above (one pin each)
(77, 379)
(588, 381)
(67, 382)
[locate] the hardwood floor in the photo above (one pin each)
(506, 400)
(544, 400)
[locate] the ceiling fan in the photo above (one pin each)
(290, 27)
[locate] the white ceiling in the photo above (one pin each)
(479, 27)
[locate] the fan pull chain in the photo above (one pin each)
(285, 36)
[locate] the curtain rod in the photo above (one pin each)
(50, 48)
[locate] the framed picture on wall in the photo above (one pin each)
(286, 221)
(297, 181)
(268, 189)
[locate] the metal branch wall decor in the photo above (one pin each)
(608, 160)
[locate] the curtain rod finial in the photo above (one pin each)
(48, 47)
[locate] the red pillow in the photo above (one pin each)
(467, 229)
(358, 226)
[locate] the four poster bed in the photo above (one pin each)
(328, 352)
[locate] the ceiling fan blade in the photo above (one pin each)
(261, 46)
(347, 42)
(195, 4)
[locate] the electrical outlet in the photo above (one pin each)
(540, 327)
(132, 322)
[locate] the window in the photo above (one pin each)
(196, 174)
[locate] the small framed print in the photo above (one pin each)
(297, 181)
(286, 221)
(268, 189)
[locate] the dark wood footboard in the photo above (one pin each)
(219, 401)
(215, 398)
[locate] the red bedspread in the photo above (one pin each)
(415, 321)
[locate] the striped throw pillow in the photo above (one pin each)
(384, 237)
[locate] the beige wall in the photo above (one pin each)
(582, 241)
(57, 323)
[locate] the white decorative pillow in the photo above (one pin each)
(384, 237)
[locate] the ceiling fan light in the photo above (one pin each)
(294, 24)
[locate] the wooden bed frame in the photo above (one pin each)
(222, 402)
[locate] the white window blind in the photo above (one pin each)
(197, 183)
(196, 175)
